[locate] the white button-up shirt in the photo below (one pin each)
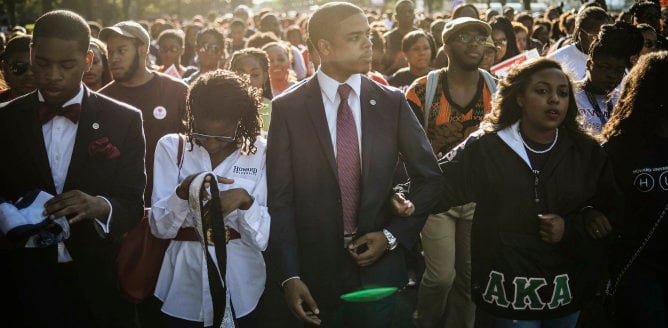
(59, 136)
(331, 100)
(183, 284)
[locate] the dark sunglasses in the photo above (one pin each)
(19, 68)
(170, 49)
(211, 47)
(649, 44)
(468, 38)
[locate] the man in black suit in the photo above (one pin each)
(330, 164)
(88, 151)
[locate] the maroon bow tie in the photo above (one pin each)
(48, 112)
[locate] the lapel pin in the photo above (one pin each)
(372, 102)
(96, 126)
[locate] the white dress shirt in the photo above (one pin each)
(59, 136)
(331, 99)
(183, 284)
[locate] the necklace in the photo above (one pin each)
(556, 137)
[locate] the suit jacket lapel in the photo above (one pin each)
(368, 101)
(316, 109)
(85, 132)
(34, 141)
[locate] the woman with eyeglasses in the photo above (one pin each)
(223, 137)
(99, 73)
(609, 58)
(573, 57)
(170, 50)
(503, 36)
(15, 65)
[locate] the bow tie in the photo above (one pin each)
(48, 112)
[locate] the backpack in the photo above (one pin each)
(432, 81)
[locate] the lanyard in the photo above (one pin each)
(597, 109)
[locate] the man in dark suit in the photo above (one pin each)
(88, 151)
(330, 164)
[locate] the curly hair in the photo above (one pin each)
(642, 106)
(506, 111)
(222, 95)
(262, 59)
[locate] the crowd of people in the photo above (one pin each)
(350, 150)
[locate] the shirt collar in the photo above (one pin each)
(74, 100)
(330, 86)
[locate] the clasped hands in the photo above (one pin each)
(230, 200)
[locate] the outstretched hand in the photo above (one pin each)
(300, 302)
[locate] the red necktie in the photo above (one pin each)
(348, 161)
(48, 112)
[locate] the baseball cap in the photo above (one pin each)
(128, 29)
(454, 26)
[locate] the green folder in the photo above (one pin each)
(368, 295)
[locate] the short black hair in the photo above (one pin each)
(260, 39)
(16, 45)
(324, 21)
(412, 38)
(220, 39)
(65, 25)
(173, 34)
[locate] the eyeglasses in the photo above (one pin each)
(211, 47)
(468, 38)
(649, 44)
(592, 35)
(499, 43)
(19, 68)
(170, 49)
(201, 137)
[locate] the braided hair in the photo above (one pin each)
(261, 57)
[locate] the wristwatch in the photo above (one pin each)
(391, 240)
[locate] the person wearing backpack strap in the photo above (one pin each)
(451, 102)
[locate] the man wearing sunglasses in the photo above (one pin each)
(211, 53)
(462, 97)
(15, 66)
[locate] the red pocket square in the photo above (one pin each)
(103, 149)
